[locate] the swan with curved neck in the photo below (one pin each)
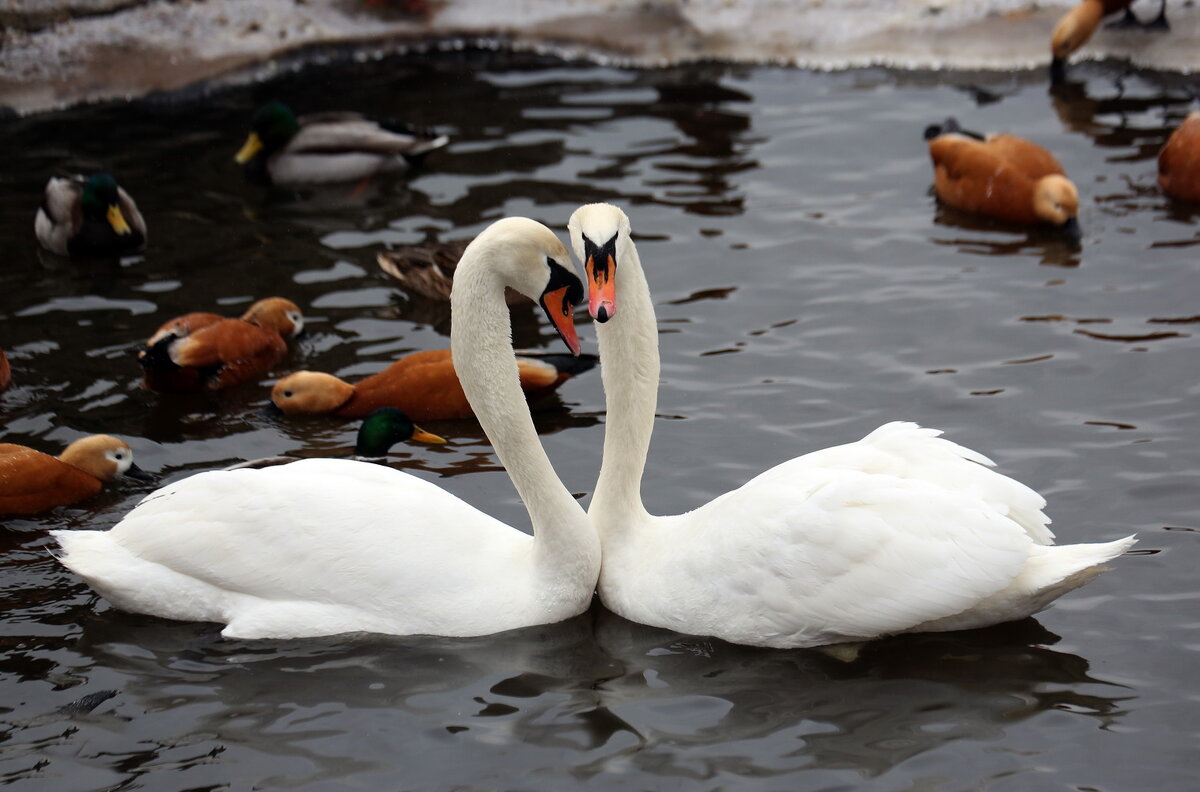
(328, 546)
(898, 532)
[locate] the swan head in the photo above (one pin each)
(529, 258)
(103, 457)
(310, 393)
(595, 229)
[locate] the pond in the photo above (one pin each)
(808, 289)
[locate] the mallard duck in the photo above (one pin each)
(1002, 176)
(88, 217)
(32, 482)
(206, 351)
(326, 147)
(899, 532)
(378, 432)
(424, 384)
(427, 270)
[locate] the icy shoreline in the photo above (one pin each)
(166, 46)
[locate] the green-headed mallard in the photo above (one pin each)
(89, 217)
(326, 147)
(378, 432)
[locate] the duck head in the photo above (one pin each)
(103, 457)
(1056, 201)
(310, 393)
(101, 200)
(272, 126)
(278, 314)
(385, 427)
(1071, 33)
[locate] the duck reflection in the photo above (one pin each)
(595, 693)
(983, 240)
(1118, 120)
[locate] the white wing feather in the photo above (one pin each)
(266, 538)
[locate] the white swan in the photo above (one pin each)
(327, 546)
(899, 532)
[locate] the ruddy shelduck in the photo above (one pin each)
(1077, 26)
(32, 482)
(5, 371)
(1002, 176)
(205, 351)
(422, 384)
(1179, 161)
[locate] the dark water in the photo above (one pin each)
(808, 289)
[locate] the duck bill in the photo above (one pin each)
(420, 435)
(559, 310)
(252, 146)
(117, 220)
(135, 472)
(1072, 231)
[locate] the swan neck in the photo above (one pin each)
(482, 351)
(629, 367)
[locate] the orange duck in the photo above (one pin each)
(32, 482)
(1002, 176)
(1077, 26)
(422, 384)
(206, 351)
(5, 371)
(1179, 161)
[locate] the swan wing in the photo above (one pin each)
(913, 452)
(872, 538)
(813, 555)
(319, 546)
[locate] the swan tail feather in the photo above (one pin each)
(134, 584)
(1050, 572)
